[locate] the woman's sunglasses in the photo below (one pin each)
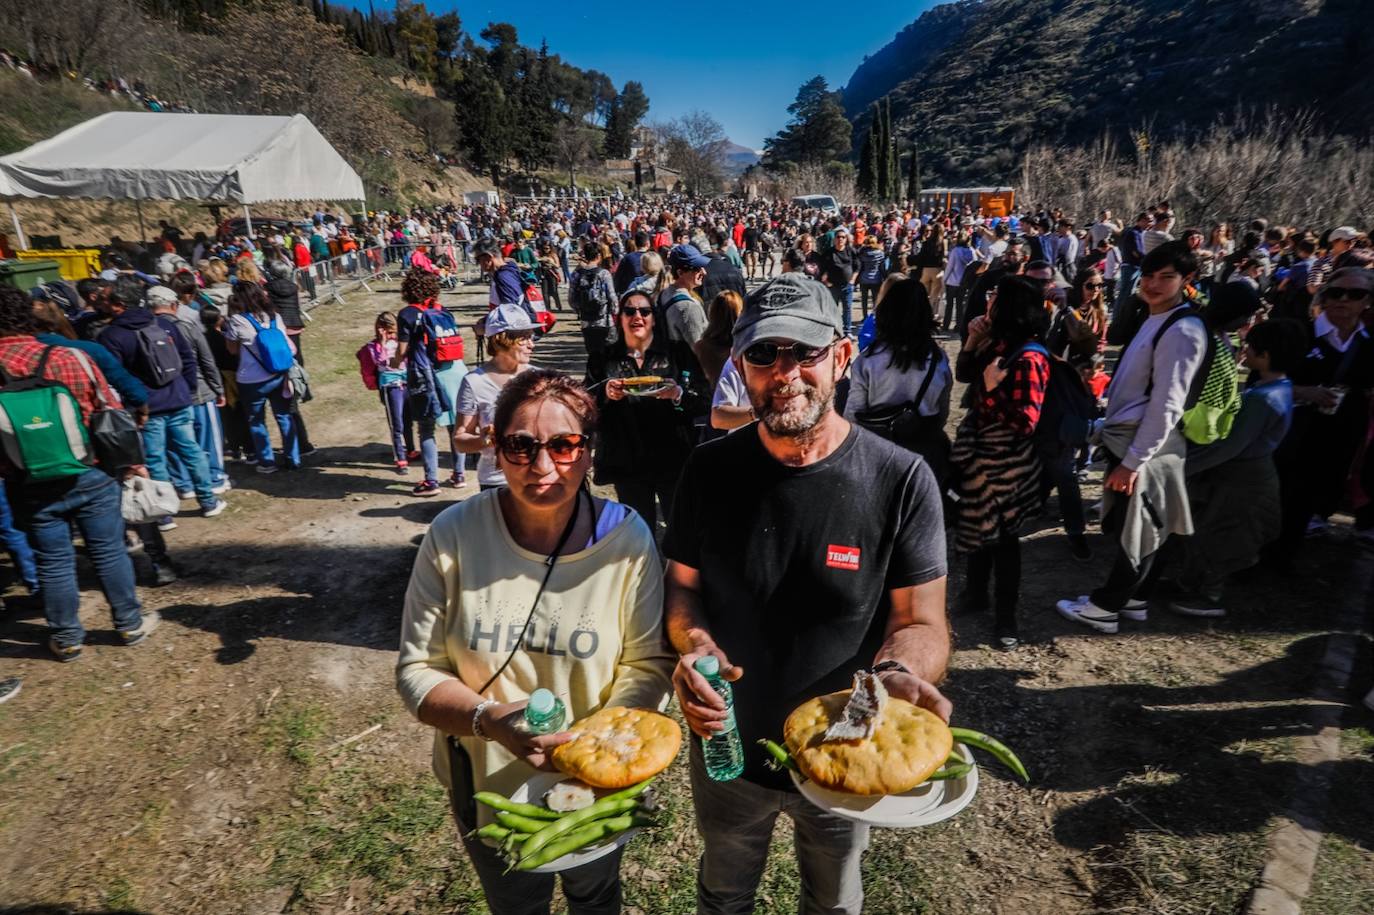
(523, 449)
(642, 312)
(1337, 293)
(765, 353)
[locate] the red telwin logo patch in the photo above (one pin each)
(842, 557)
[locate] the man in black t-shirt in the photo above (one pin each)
(839, 270)
(801, 549)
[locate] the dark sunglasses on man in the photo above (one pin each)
(1339, 293)
(765, 353)
(523, 449)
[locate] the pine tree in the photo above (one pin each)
(913, 178)
(891, 173)
(868, 159)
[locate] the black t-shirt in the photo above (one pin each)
(839, 266)
(796, 564)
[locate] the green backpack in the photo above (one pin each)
(41, 427)
(1214, 395)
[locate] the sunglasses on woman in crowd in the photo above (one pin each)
(523, 449)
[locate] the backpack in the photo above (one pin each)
(904, 425)
(1214, 393)
(273, 350)
(1069, 408)
(367, 366)
(158, 353)
(445, 342)
(590, 297)
(41, 428)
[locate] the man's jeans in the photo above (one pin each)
(210, 437)
(735, 820)
(17, 544)
(175, 432)
(1057, 460)
(255, 397)
(46, 512)
(844, 297)
(1125, 282)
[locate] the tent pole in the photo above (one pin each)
(249, 218)
(18, 229)
(142, 232)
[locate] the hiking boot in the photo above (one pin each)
(427, 488)
(164, 573)
(168, 523)
(151, 620)
(216, 509)
(1197, 605)
(65, 653)
(1084, 612)
(1078, 545)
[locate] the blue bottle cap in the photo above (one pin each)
(541, 701)
(708, 666)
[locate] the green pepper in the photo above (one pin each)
(990, 745)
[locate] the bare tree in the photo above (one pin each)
(85, 36)
(1283, 166)
(574, 146)
(695, 146)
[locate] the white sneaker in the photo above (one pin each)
(186, 494)
(219, 506)
(1135, 610)
(222, 487)
(1086, 613)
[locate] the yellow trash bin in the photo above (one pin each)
(73, 263)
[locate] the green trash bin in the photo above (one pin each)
(26, 274)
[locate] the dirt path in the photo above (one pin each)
(207, 771)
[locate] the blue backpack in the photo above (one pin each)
(273, 350)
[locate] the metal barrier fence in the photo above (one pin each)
(327, 280)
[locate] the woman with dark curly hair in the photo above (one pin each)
(428, 344)
(995, 468)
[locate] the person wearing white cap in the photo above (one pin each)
(510, 340)
(1338, 241)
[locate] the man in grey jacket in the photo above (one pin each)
(1145, 402)
(209, 393)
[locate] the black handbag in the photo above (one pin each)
(904, 425)
(115, 436)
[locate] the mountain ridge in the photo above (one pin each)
(974, 82)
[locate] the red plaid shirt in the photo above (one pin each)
(1016, 402)
(19, 357)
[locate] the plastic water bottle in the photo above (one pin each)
(724, 752)
(545, 714)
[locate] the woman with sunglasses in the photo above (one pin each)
(995, 468)
(534, 585)
(646, 436)
(1084, 321)
(1331, 391)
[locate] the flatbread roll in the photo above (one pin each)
(907, 746)
(619, 747)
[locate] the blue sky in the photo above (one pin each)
(741, 61)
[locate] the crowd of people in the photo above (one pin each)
(784, 476)
(782, 465)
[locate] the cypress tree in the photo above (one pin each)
(868, 160)
(880, 145)
(913, 178)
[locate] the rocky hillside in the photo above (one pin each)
(973, 82)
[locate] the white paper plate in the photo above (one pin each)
(648, 392)
(532, 792)
(921, 806)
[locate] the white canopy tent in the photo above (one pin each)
(135, 155)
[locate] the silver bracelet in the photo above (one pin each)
(477, 718)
